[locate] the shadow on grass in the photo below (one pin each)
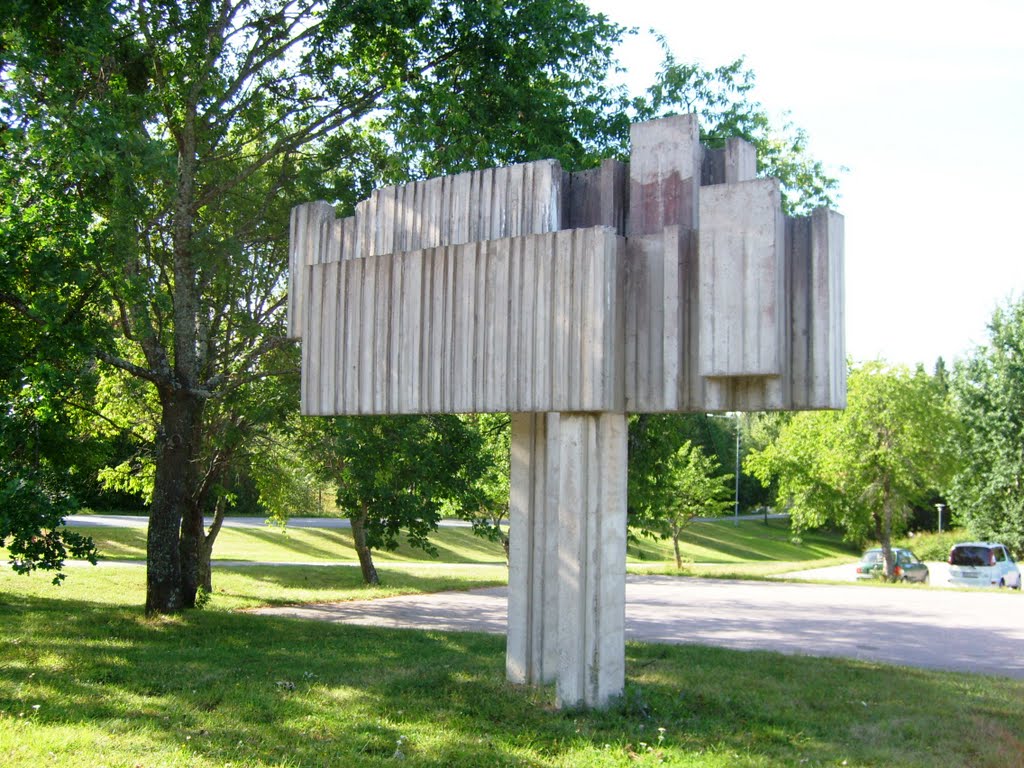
(221, 687)
(327, 544)
(287, 585)
(275, 544)
(118, 543)
(750, 541)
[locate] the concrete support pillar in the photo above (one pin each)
(532, 653)
(592, 559)
(567, 552)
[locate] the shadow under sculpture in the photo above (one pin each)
(671, 283)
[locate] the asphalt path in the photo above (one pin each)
(979, 631)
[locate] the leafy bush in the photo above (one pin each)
(932, 546)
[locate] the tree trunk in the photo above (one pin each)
(675, 548)
(886, 537)
(190, 547)
(169, 515)
(362, 550)
(206, 548)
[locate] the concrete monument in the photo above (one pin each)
(671, 283)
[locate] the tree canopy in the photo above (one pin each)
(988, 390)
(154, 150)
(396, 474)
(863, 468)
(685, 484)
(150, 152)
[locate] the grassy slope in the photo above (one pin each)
(752, 545)
(85, 680)
(276, 544)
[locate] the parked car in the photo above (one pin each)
(982, 564)
(907, 568)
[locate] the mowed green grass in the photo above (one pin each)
(87, 680)
(723, 542)
(752, 547)
(276, 544)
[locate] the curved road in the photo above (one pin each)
(979, 631)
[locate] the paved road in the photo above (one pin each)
(938, 573)
(979, 631)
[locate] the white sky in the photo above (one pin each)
(923, 103)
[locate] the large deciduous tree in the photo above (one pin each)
(988, 391)
(395, 475)
(865, 467)
(160, 144)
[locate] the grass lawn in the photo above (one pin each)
(750, 549)
(275, 544)
(751, 542)
(86, 680)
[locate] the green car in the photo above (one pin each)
(908, 567)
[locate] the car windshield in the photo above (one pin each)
(871, 557)
(969, 556)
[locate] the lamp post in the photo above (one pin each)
(736, 504)
(940, 506)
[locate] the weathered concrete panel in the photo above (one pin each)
(532, 645)
(591, 558)
(439, 315)
(664, 175)
(818, 359)
(742, 274)
(305, 246)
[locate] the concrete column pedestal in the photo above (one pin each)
(567, 577)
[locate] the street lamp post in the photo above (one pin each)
(940, 506)
(736, 503)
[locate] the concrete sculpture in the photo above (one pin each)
(672, 283)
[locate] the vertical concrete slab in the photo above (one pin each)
(814, 285)
(742, 276)
(829, 254)
(532, 641)
(664, 185)
(740, 161)
(591, 558)
(664, 175)
(304, 245)
(828, 335)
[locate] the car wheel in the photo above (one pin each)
(927, 579)
(1002, 583)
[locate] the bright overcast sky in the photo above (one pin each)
(923, 103)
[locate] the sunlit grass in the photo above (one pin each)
(247, 587)
(751, 541)
(735, 570)
(87, 680)
(752, 546)
(271, 543)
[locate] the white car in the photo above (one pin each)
(982, 564)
